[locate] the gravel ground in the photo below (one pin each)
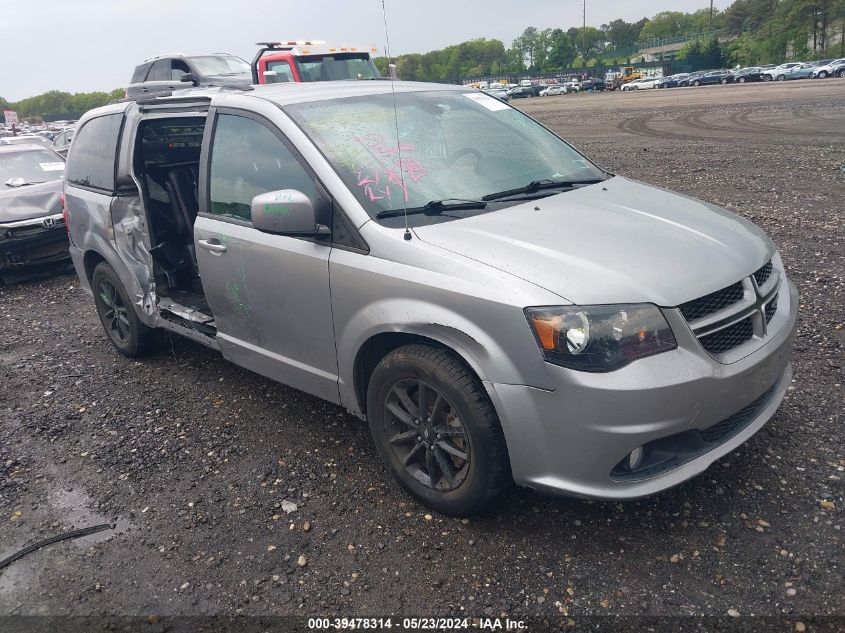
(236, 495)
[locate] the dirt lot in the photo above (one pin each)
(198, 460)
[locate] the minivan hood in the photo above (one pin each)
(618, 241)
(30, 201)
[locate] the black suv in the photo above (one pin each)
(175, 72)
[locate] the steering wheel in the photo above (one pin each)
(464, 151)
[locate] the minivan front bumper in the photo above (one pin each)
(684, 407)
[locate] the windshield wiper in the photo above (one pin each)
(434, 207)
(539, 185)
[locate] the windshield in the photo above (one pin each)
(221, 65)
(33, 166)
(336, 67)
(453, 145)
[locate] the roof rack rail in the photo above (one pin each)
(156, 57)
(195, 93)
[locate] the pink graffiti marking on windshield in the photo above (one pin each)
(371, 177)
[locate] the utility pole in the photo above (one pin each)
(584, 14)
(710, 27)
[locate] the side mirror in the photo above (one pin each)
(286, 212)
(189, 78)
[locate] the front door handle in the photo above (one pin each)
(212, 245)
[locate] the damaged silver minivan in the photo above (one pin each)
(496, 306)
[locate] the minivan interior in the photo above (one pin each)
(167, 157)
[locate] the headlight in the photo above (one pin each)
(599, 338)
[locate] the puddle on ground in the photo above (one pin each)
(75, 507)
(71, 508)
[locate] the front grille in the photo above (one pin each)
(762, 275)
(722, 431)
(715, 301)
(771, 308)
(729, 337)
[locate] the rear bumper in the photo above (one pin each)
(573, 439)
(29, 244)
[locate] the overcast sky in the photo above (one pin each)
(83, 45)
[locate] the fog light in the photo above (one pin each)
(635, 458)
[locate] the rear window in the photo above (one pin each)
(91, 162)
(336, 67)
(29, 167)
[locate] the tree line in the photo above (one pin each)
(60, 103)
(748, 32)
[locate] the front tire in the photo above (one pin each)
(781, 78)
(436, 430)
(841, 74)
(741, 80)
(696, 83)
(129, 336)
(822, 74)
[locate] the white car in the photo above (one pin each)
(553, 90)
(834, 68)
(771, 74)
(645, 83)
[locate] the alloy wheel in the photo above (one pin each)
(114, 311)
(427, 435)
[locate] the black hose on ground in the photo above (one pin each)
(93, 529)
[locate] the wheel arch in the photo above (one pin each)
(381, 344)
(90, 260)
(143, 302)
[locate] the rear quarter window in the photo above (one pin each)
(140, 73)
(92, 158)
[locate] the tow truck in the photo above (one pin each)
(311, 60)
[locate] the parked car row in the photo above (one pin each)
(56, 138)
(562, 88)
(783, 72)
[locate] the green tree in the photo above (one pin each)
(622, 34)
(561, 50)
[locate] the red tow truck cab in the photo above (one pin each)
(311, 60)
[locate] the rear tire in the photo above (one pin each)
(781, 78)
(823, 74)
(841, 74)
(129, 336)
(450, 453)
(741, 80)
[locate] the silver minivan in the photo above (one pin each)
(496, 306)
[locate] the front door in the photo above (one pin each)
(269, 293)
